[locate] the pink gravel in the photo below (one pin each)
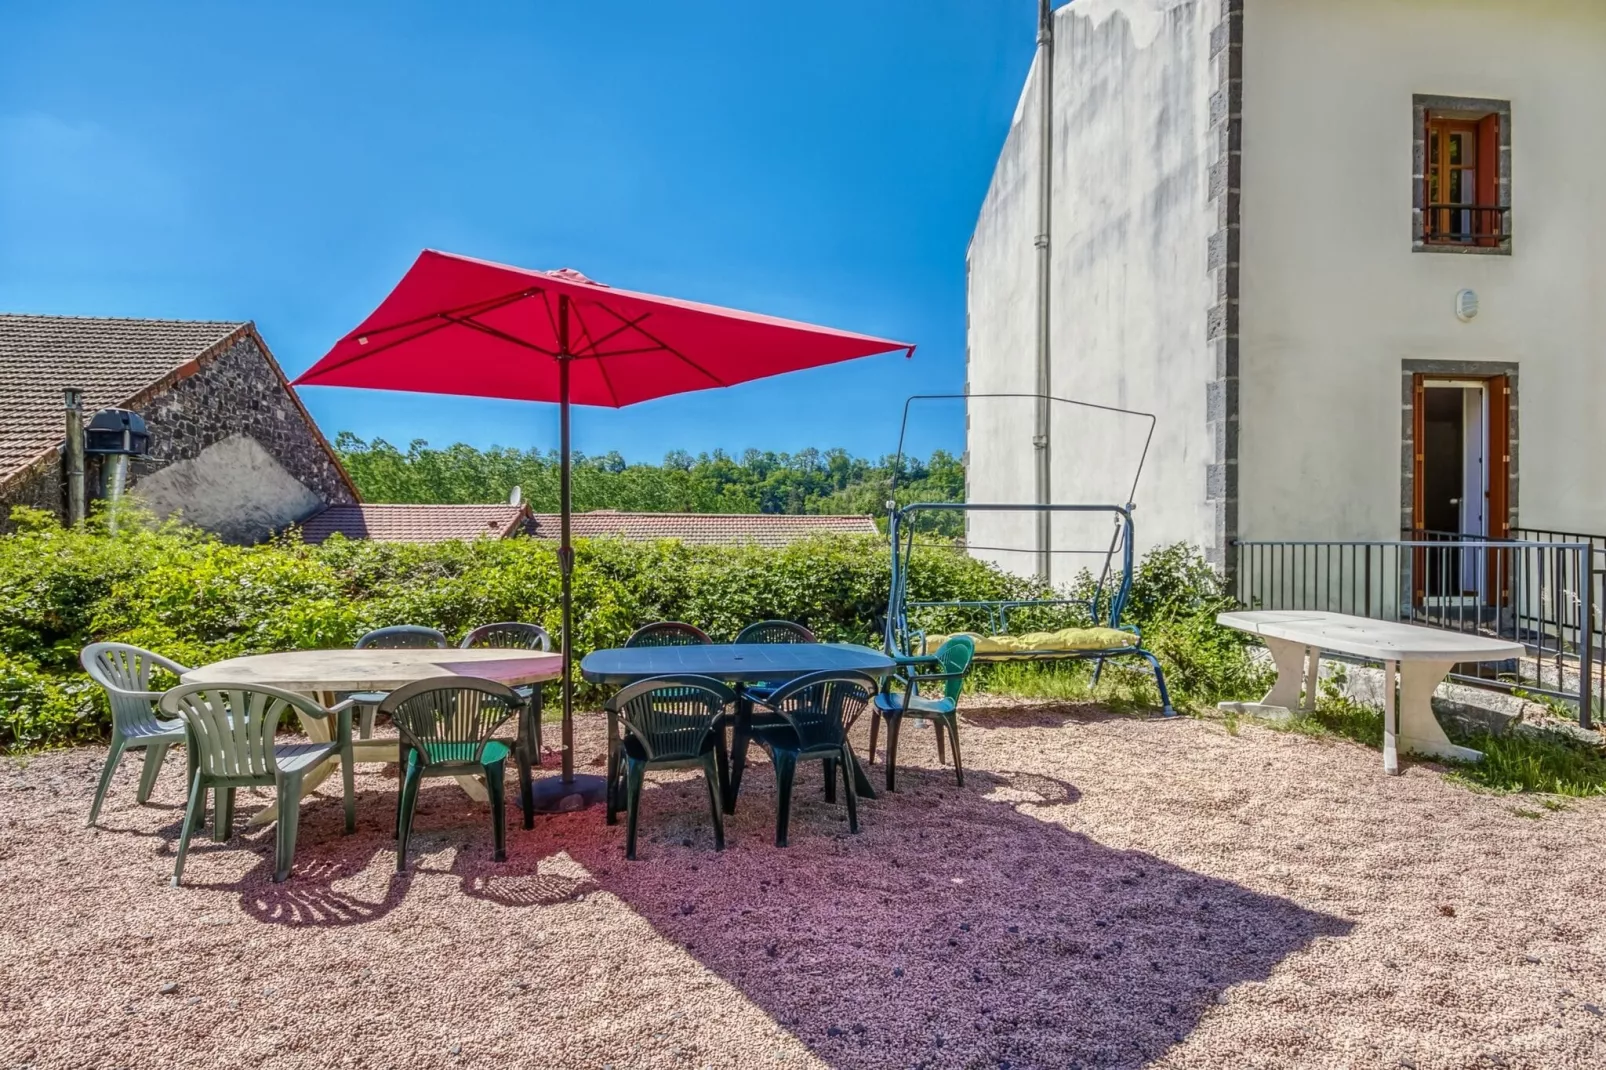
(1104, 892)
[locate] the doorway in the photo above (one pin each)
(1460, 477)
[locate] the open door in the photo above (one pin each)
(1461, 465)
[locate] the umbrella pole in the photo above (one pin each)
(568, 792)
(566, 565)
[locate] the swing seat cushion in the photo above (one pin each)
(1002, 647)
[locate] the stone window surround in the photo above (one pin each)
(1453, 369)
(1421, 104)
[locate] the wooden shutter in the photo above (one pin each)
(1499, 465)
(1489, 224)
(1499, 468)
(1419, 557)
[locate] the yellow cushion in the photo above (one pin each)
(1065, 639)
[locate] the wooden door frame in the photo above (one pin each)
(1500, 395)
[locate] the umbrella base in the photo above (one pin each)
(554, 795)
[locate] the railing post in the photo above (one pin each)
(1586, 634)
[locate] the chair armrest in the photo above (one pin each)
(916, 659)
(343, 705)
(926, 677)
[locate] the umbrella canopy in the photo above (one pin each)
(456, 325)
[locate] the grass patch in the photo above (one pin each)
(1519, 763)
(1522, 762)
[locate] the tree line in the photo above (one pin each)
(807, 482)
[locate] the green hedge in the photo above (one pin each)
(180, 592)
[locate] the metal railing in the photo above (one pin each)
(1481, 224)
(1543, 594)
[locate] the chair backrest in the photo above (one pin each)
(125, 672)
(822, 706)
(775, 631)
(672, 717)
(450, 718)
(668, 633)
(955, 656)
(403, 637)
(508, 635)
(231, 728)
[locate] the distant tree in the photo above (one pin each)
(809, 481)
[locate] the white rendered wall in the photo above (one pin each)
(1333, 299)
(1132, 87)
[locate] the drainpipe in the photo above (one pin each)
(76, 507)
(1040, 440)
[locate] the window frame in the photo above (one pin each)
(1436, 118)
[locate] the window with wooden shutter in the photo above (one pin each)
(1462, 180)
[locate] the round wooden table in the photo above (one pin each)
(318, 674)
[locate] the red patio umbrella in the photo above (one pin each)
(457, 325)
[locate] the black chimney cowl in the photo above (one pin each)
(117, 431)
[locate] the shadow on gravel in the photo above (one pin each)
(957, 930)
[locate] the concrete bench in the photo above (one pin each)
(1422, 656)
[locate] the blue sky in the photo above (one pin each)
(285, 163)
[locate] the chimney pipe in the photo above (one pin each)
(74, 456)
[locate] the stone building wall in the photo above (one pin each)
(238, 393)
(231, 449)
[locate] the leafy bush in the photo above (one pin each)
(183, 593)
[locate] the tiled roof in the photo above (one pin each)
(111, 360)
(414, 523)
(765, 529)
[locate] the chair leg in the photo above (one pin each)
(740, 741)
(154, 756)
(894, 723)
(953, 736)
(722, 761)
(114, 758)
(785, 773)
(407, 800)
(289, 823)
(716, 799)
(401, 783)
(496, 788)
(365, 721)
(526, 786)
(875, 730)
(852, 790)
(942, 756)
(348, 785)
(611, 794)
(192, 811)
(635, 773)
(830, 779)
(223, 822)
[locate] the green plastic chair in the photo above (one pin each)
(667, 722)
(516, 635)
(124, 673)
(446, 725)
(232, 745)
(775, 631)
(953, 658)
(816, 711)
(668, 633)
(395, 637)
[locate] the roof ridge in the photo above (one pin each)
(235, 324)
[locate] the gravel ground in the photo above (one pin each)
(1104, 892)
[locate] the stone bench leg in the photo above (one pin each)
(1418, 728)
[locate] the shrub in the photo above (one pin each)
(197, 600)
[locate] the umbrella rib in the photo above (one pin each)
(503, 335)
(666, 347)
(616, 332)
(443, 319)
(607, 381)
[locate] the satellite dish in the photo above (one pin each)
(516, 497)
